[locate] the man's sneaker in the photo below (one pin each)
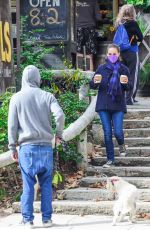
(28, 224)
(109, 164)
(47, 223)
(122, 151)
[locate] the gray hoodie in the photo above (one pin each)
(29, 118)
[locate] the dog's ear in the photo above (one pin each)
(114, 179)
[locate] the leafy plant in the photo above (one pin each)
(17, 196)
(57, 178)
(32, 53)
(145, 75)
(72, 106)
(4, 99)
(2, 193)
(69, 155)
(143, 3)
(142, 22)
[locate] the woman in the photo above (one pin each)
(127, 17)
(111, 79)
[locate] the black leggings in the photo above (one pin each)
(131, 60)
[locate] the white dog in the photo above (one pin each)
(127, 196)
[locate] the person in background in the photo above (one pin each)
(111, 80)
(87, 15)
(130, 57)
(29, 126)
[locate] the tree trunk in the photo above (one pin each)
(6, 78)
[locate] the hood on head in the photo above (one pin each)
(31, 77)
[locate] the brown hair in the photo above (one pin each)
(127, 12)
(113, 46)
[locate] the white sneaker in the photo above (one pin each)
(109, 164)
(47, 224)
(28, 224)
(122, 151)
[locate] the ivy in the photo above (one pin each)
(4, 104)
(143, 3)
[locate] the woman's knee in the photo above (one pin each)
(108, 136)
(118, 134)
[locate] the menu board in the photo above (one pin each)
(47, 16)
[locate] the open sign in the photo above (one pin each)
(48, 15)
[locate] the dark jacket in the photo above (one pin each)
(87, 13)
(133, 29)
(104, 101)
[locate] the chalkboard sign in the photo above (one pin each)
(48, 15)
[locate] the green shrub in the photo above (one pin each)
(4, 99)
(145, 75)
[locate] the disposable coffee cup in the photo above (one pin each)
(99, 78)
(121, 79)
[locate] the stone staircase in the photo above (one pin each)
(90, 198)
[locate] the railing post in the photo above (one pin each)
(82, 148)
(82, 143)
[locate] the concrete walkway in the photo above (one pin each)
(74, 222)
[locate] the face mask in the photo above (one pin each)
(112, 58)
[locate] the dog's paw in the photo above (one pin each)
(133, 221)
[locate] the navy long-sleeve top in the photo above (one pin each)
(133, 29)
(104, 100)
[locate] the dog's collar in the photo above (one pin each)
(114, 180)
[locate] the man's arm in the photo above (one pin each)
(59, 117)
(13, 129)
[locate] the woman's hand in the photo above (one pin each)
(123, 79)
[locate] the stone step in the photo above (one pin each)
(143, 151)
(86, 194)
(98, 194)
(84, 207)
(123, 161)
(98, 135)
(135, 124)
(137, 114)
(119, 171)
(137, 132)
(139, 182)
(131, 141)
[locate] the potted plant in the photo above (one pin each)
(145, 81)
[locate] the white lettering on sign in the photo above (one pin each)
(51, 19)
(34, 4)
(43, 3)
(48, 3)
(56, 2)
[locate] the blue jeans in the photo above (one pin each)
(112, 120)
(36, 160)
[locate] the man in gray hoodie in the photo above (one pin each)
(29, 126)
